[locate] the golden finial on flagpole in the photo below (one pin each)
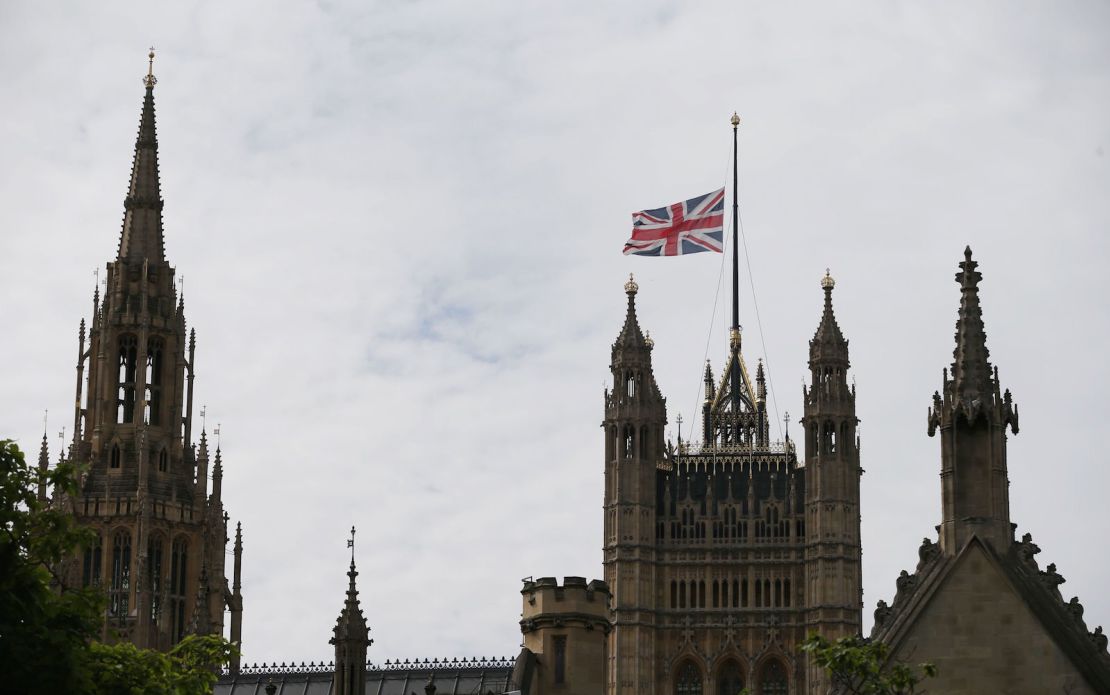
(735, 120)
(150, 80)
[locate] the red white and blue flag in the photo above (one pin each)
(692, 226)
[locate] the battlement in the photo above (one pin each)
(565, 628)
(547, 603)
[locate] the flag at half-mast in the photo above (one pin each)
(692, 226)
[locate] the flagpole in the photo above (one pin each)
(734, 334)
(735, 250)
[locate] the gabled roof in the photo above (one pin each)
(1037, 589)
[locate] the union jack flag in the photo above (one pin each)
(692, 226)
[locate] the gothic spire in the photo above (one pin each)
(141, 236)
(44, 465)
(971, 370)
(828, 341)
(351, 624)
(972, 414)
(631, 336)
(351, 638)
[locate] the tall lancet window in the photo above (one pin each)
(153, 381)
(178, 555)
(91, 567)
(154, 578)
(120, 589)
(125, 402)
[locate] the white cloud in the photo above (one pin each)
(399, 226)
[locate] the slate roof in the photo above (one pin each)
(456, 677)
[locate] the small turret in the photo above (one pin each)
(44, 465)
(351, 639)
(565, 629)
(217, 478)
(972, 415)
(235, 601)
(202, 468)
(832, 487)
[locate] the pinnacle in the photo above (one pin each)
(828, 340)
(631, 336)
(971, 369)
(141, 236)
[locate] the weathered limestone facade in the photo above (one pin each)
(161, 531)
(723, 555)
(978, 605)
(565, 629)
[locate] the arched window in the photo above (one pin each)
(114, 456)
(178, 555)
(91, 567)
(153, 381)
(689, 680)
(630, 384)
(629, 440)
(729, 680)
(125, 403)
(772, 678)
(674, 594)
(163, 460)
(154, 577)
(120, 590)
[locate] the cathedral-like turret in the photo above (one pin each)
(832, 551)
(972, 414)
(351, 639)
(159, 548)
(635, 415)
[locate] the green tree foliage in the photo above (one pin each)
(860, 667)
(48, 630)
(189, 668)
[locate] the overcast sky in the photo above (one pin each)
(400, 224)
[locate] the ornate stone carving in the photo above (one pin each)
(906, 583)
(1099, 639)
(1075, 608)
(1052, 580)
(882, 615)
(926, 553)
(1027, 550)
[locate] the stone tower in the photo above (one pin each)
(635, 414)
(351, 639)
(565, 631)
(161, 533)
(972, 415)
(834, 598)
(720, 557)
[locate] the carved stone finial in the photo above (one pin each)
(1052, 580)
(1099, 639)
(906, 583)
(1027, 549)
(1075, 608)
(882, 614)
(926, 552)
(149, 79)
